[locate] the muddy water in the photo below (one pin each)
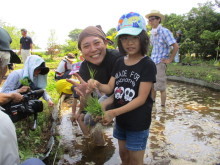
(187, 131)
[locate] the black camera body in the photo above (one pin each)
(30, 105)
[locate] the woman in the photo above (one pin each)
(35, 72)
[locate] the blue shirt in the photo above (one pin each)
(161, 42)
(26, 42)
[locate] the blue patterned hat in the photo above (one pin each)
(131, 24)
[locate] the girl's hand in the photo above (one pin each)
(108, 117)
(50, 103)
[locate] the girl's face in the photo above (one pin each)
(36, 72)
(131, 44)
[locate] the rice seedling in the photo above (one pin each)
(25, 81)
(94, 107)
(92, 72)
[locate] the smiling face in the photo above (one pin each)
(93, 49)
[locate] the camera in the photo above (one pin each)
(30, 105)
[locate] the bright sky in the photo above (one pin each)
(40, 16)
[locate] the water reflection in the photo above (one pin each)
(187, 131)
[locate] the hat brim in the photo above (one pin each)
(70, 59)
(44, 70)
(155, 14)
(129, 31)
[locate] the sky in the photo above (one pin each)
(42, 16)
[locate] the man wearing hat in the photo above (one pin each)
(162, 40)
(65, 66)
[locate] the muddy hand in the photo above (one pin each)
(108, 117)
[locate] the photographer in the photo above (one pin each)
(35, 74)
(8, 139)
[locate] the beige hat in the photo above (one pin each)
(70, 56)
(155, 13)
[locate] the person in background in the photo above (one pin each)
(65, 66)
(178, 40)
(26, 45)
(35, 72)
(161, 40)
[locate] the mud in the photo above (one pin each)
(186, 131)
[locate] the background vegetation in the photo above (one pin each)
(199, 53)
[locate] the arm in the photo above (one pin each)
(144, 90)
(7, 97)
(107, 102)
(12, 83)
(47, 98)
(105, 88)
(174, 51)
(31, 44)
(31, 47)
(19, 52)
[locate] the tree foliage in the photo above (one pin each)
(74, 34)
(70, 47)
(52, 47)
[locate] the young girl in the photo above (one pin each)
(132, 80)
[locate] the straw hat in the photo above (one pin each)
(155, 13)
(71, 57)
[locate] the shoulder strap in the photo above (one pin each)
(65, 65)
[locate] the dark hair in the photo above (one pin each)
(144, 43)
(23, 30)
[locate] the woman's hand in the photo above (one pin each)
(108, 117)
(50, 103)
(23, 89)
(80, 88)
(92, 84)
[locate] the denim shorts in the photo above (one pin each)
(135, 140)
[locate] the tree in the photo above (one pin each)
(74, 34)
(174, 22)
(70, 47)
(212, 36)
(198, 20)
(53, 48)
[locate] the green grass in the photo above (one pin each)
(201, 71)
